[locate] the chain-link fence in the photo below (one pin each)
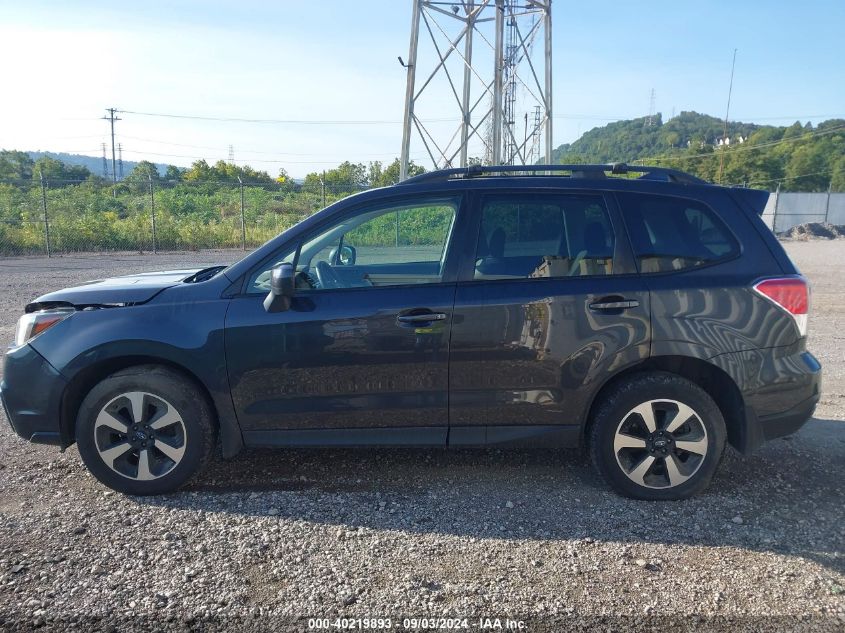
(48, 217)
(66, 216)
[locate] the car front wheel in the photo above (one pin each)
(657, 436)
(144, 430)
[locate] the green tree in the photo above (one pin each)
(344, 179)
(57, 173)
(837, 178)
(138, 179)
(200, 171)
(15, 165)
(390, 174)
(174, 173)
(223, 172)
(808, 168)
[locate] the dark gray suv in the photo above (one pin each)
(650, 319)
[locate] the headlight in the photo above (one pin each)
(32, 324)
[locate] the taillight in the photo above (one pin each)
(791, 294)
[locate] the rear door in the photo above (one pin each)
(548, 305)
(700, 260)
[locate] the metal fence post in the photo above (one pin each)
(323, 188)
(243, 217)
(153, 212)
(775, 216)
(827, 203)
(44, 209)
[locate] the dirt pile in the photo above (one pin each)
(814, 230)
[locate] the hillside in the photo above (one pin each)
(94, 164)
(635, 138)
(798, 157)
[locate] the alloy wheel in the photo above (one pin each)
(660, 443)
(140, 436)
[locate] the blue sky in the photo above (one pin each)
(65, 62)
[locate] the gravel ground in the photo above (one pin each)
(272, 538)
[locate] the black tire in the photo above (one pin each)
(197, 435)
(615, 413)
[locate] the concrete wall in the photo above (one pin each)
(785, 210)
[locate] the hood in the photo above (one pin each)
(116, 290)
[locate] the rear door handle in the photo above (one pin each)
(427, 317)
(615, 305)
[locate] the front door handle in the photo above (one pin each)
(427, 317)
(620, 304)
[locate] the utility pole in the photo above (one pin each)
(120, 161)
(243, 216)
(827, 204)
(44, 209)
(111, 118)
(153, 212)
(105, 163)
(486, 95)
(727, 114)
(650, 120)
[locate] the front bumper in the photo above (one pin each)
(31, 393)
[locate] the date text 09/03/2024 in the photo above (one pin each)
(417, 624)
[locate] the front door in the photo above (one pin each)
(550, 305)
(361, 356)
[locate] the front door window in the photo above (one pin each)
(402, 244)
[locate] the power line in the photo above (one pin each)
(255, 160)
(198, 117)
(247, 151)
(747, 148)
(826, 172)
(792, 117)
(279, 121)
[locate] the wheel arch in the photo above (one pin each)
(85, 380)
(715, 381)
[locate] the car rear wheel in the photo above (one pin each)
(657, 436)
(145, 430)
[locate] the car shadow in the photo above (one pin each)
(785, 499)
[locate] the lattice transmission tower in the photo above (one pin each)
(474, 78)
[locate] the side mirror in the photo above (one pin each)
(281, 288)
(347, 256)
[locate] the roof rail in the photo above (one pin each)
(575, 171)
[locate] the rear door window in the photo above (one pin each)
(544, 235)
(670, 234)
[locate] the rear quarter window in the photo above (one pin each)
(671, 234)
